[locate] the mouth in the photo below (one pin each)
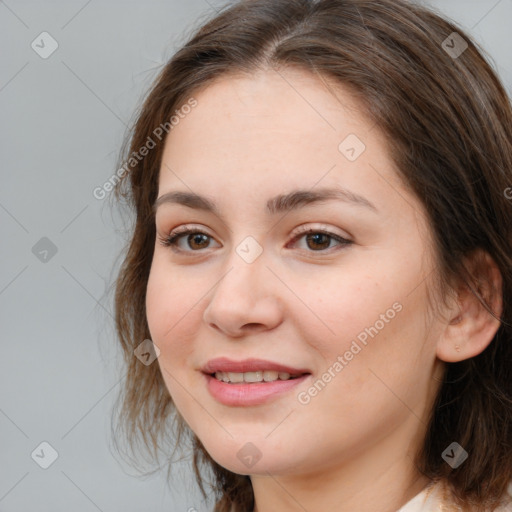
(250, 370)
(250, 382)
(252, 377)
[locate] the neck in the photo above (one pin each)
(383, 483)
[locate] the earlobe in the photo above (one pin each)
(469, 326)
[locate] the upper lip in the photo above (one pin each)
(223, 364)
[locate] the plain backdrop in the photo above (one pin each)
(63, 119)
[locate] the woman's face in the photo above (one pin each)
(348, 314)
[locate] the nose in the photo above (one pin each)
(245, 300)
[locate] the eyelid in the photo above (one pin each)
(320, 228)
(182, 230)
(300, 230)
(171, 240)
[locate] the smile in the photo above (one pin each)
(251, 381)
(250, 377)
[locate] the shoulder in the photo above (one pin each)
(436, 497)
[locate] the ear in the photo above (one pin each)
(468, 327)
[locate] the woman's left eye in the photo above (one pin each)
(320, 240)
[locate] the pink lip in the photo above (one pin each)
(246, 394)
(256, 393)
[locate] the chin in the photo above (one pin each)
(257, 457)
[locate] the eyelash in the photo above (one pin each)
(173, 237)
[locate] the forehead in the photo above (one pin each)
(274, 123)
(290, 103)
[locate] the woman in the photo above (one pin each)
(321, 261)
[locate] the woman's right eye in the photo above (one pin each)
(194, 237)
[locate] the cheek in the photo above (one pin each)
(170, 298)
(171, 318)
(158, 303)
(343, 304)
(374, 317)
(170, 314)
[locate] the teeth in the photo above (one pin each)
(236, 377)
(269, 376)
(261, 376)
(252, 376)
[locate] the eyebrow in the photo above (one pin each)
(278, 204)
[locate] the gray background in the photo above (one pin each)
(62, 122)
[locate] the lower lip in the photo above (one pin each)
(250, 393)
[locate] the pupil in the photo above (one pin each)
(195, 237)
(316, 236)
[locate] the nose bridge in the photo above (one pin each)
(243, 295)
(245, 267)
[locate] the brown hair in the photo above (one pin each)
(448, 121)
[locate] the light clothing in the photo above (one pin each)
(436, 498)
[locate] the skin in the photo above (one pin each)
(302, 303)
